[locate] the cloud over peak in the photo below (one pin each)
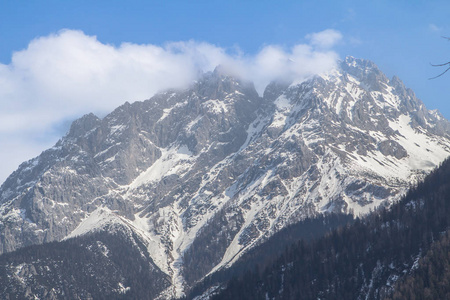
(67, 74)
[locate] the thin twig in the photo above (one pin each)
(441, 65)
(447, 63)
(442, 72)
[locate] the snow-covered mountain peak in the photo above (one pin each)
(203, 174)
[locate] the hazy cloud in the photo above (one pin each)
(65, 75)
(434, 28)
(325, 39)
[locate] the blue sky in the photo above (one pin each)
(52, 51)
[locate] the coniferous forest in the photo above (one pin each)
(104, 265)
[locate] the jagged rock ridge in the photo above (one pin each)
(217, 165)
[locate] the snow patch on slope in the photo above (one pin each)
(175, 160)
(96, 221)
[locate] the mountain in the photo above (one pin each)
(202, 175)
(401, 253)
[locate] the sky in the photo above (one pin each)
(60, 60)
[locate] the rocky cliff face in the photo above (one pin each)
(218, 168)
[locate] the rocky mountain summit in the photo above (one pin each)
(201, 175)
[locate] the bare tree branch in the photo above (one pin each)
(442, 72)
(441, 65)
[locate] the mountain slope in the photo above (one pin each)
(431, 277)
(391, 253)
(216, 160)
(307, 230)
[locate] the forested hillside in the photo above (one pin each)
(431, 280)
(104, 265)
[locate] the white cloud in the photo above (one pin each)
(325, 39)
(65, 75)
